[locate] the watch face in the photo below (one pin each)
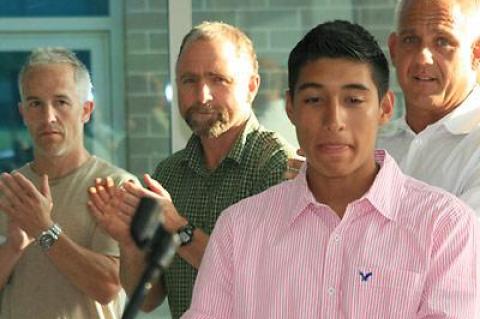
(186, 234)
(46, 241)
(184, 237)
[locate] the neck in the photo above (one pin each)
(58, 166)
(215, 149)
(418, 117)
(338, 192)
(418, 120)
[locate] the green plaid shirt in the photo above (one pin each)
(257, 161)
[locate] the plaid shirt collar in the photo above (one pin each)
(194, 150)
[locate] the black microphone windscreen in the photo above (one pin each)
(145, 221)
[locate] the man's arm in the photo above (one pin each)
(114, 207)
(452, 284)
(11, 250)
(8, 259)
(132, 266)
(193, 252)
(94, 274)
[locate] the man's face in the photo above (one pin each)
(216, 86)
(336, 112)
(52, 110)
(433, 52)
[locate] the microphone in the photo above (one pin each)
(149, 234)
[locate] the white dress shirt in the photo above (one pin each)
(445, 154)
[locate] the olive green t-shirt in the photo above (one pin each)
(36, 288)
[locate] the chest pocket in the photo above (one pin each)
(380, 292)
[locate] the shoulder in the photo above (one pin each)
(269, 141)
(259, 207)
(425, 202)
(170, 164)
(262, 145)
(102, 168)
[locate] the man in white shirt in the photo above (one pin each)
(436, 52)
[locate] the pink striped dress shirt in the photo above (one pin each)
(403, 250)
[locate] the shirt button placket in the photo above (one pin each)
(331, 291)
(333, 258)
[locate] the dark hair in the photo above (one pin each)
(339, 39)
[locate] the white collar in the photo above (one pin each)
(462, 120)
(466, 117)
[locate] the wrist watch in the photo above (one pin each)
(49, 237)
(186, 234)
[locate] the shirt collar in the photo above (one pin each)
(386, 190)
(194, 150)
(383, 195)
(462, 120)
(236, 153)
(466, 117)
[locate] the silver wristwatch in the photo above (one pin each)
(185, 234)
(49, 237)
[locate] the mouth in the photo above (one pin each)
(424, 78)
(204, 112)
(49, 133)
(333, 148)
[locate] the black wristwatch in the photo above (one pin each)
(185, 234)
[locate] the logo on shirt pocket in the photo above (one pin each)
(365, 276)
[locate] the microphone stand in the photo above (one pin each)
(159, 257)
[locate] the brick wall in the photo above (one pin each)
(275, 27)
(146, 76)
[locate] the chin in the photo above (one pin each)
(332, 171)
(52, 151)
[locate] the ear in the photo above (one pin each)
(386, 108)
(392, 46)
(289, 106)
(88, 107)
(476, 54)
(253, 85)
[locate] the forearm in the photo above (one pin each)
(193, 252)
(94, 274)
(8, 259)
(132, 266)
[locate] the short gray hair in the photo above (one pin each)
(473, 13)
(45, 56)
(209, 30)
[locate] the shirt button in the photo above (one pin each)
(337, 237)
(331, 291)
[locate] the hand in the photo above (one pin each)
(113, 208)
(294, 164)
(27, 206)
(17, 238)
(173, 220)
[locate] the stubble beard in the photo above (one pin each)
(212, 127)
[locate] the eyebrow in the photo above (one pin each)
(350, 86)
(58, 96)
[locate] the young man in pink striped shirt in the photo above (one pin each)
(350, 236)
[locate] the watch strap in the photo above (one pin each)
(48, 237)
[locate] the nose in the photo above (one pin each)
(425, 56)
(204, 93)
(49, 113)
(333, 117)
